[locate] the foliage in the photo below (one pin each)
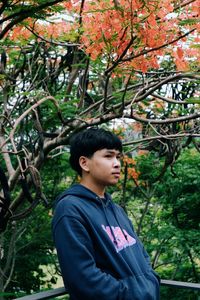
(165, 215)
(28, 258)
(29, 274)
(27, 237)
(132, 34)
(182, 190)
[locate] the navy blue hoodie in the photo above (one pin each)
(100, 256)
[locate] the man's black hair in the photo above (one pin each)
(90, 140)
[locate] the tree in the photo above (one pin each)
(44, 71)
(165, 215)
(27, 250)
(13, 13)
(27, 246)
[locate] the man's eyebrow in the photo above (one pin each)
(113, 151)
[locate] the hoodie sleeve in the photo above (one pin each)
(81, 276)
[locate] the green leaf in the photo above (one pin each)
(189, 22)
(193, 100)
(196, 46)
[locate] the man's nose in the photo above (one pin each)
(117, 162)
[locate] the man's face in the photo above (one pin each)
(104, 167)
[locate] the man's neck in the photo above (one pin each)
(98, 190)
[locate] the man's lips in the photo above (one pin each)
(116, 174)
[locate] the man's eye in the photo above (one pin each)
(108, 155)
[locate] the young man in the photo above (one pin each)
(100, 256)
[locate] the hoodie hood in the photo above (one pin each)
(81, 191)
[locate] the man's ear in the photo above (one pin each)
(83, 162)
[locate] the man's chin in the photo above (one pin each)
(113, 182)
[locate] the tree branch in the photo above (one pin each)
(121, 56)
(6, 156)
(23, 14)
(165, 99)
(157, 48)
(157, 137)
(165, 121)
